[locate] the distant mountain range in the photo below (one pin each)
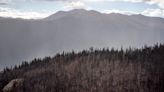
(74, 30)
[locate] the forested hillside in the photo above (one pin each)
(93, 70)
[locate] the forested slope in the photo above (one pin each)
(94, 70)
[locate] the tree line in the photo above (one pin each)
(93, 70)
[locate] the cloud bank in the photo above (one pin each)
(8, 12)
(4, 2)
(74, 5)
(81, 4)
(160, 3)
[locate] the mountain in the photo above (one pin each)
(74, 30)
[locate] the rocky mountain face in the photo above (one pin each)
(15, 85)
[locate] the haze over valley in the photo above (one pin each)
(75, 30)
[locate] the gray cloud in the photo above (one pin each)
(55, 0)
(1, 3)
(160, 3)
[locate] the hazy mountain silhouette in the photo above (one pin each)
(76, 29)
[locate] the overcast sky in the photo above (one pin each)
(42, 8)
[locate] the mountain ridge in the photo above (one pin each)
(76, 11)
(27, 39)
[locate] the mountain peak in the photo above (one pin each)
(72, 12)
